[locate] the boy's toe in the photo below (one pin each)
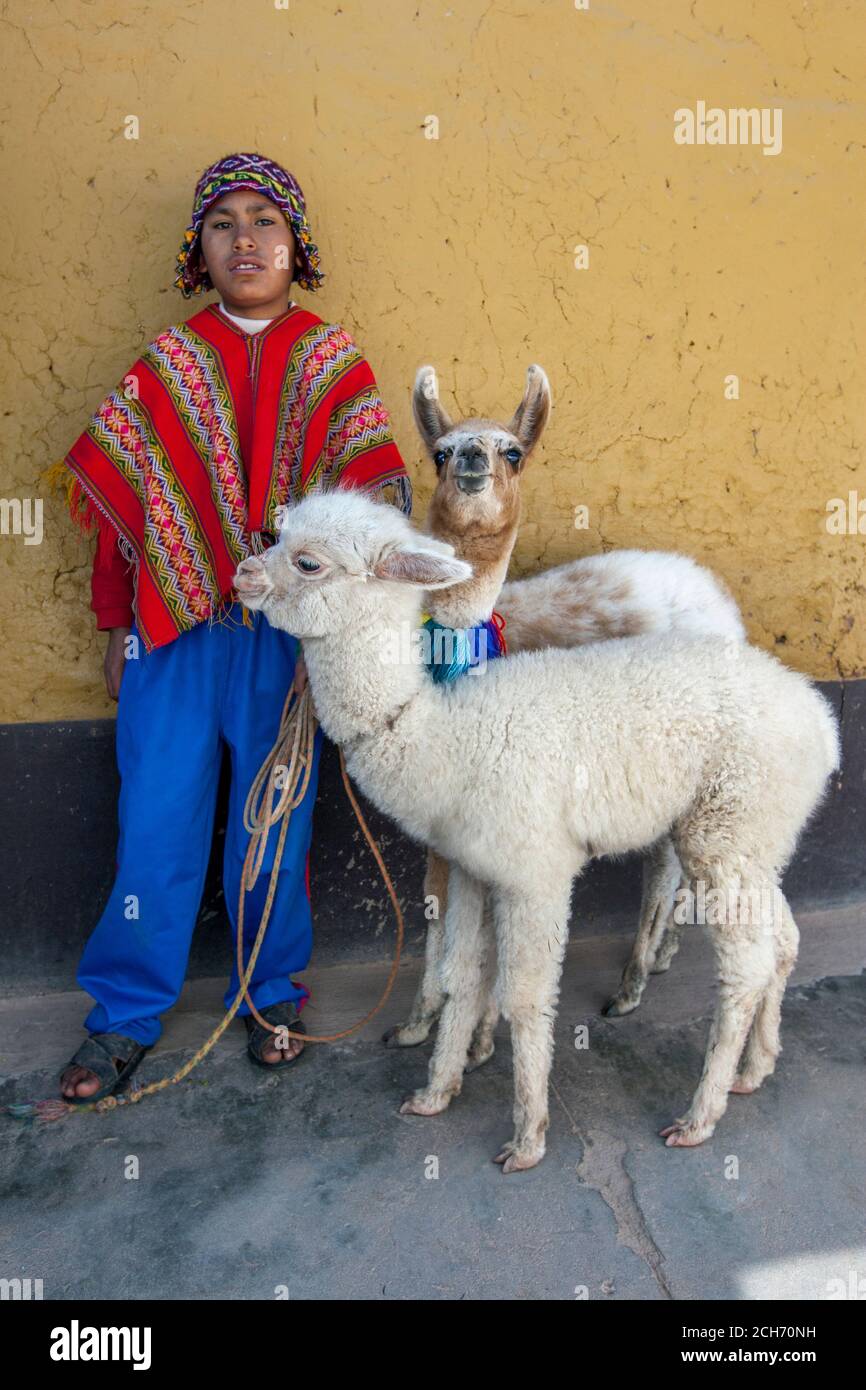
(77, 1081)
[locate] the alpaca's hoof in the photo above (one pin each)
(515, 1160)
(741, 1087)
(618, 1007)
(478, 1056)
(401, 1035)
(681, 1135)
(425, 1103)
(661, 967)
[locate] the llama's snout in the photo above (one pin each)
(472, 471)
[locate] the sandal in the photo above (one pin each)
(285, 1014)
(97, 1054)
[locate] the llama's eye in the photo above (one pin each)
(514, 456)
(308, 566)
(440, 456)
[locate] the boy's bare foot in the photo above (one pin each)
(101, 1064)
(270, 1049)
(78, 1081)
(274, 1055)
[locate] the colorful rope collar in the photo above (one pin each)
(449, 652)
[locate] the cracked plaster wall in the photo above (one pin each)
(555, 129)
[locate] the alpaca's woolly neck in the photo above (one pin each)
(394, 725)
(364, 676)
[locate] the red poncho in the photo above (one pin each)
(208, 433)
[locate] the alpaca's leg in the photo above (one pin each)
(483, 1046)
(483, 1043)
(466, 972)
(661, 877)
(746, 960)
(531, 936)
(670, 944)
(763, 1045)
(430, 995)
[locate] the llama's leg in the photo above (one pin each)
(430, 995)
(661, 877)
(466, 974)
(531, 936)
(763, 1045)
(746, 959)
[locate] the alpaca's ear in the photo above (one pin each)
(280, 516)
(530, 417)
(430, 418)
(426, 569)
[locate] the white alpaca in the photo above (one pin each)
(520, 776)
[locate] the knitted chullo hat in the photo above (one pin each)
(265, 176)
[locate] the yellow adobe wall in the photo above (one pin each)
(555, 129)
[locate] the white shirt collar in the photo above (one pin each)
(251, 325)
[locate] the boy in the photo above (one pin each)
(246, 407)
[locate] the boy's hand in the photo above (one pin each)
(300, 673)
(115, 660)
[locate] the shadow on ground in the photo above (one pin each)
(312, 1181)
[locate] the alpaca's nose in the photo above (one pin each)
(471, 470)
(250, 575)
(251, 568)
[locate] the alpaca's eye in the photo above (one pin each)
(308, 566)
(514, 456)
(440, 456)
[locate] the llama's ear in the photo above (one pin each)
(425, 569)
(530, 417)
(431, 419)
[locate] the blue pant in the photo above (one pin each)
(214, 683)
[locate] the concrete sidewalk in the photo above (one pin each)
(311, 1179)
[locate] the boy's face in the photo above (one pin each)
(249, 252)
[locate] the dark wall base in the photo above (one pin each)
(58, 831)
